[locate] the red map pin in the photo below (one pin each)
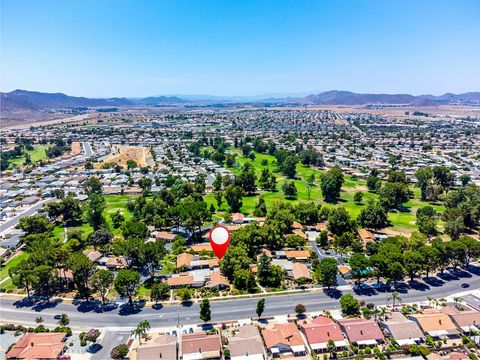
(219, 239)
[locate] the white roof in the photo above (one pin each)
(367, 342)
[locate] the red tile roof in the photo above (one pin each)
(38, 346)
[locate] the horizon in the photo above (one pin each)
(229, 49)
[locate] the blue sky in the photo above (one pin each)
(138, 48)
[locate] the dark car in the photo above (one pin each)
(465, 285)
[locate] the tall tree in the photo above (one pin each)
(205, 313)
(101, 282)
(127, 283)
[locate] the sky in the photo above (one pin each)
(107, 48)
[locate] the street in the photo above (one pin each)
(84, 316)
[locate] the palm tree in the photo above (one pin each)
(457, 301)
(39, 320)
(384, 312)
(394, 297)
(429, 298)
(375, 312)
(141, 330)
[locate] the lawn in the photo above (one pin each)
(13, 262)
(38, 153)
(401, 221)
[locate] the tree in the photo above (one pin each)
(35, 225)
(92, 185)
(412, 261)
(82, 269)
(424, 176)
(260, 307)
(465, 179)
(326, 272)
(289, 189)
(373, 216)
(339, 221)
(394, 297)
(101, 282)
(331, 184)
(349, 305)
(244, 279)
(359, 264)
(394, 194)
(185, 294)
(94, 210)
(260, 207)
(427, 220)
(145, 184)
(64, 320)
(247, 179)
(131, 164)
(117, 219)
(23, 276)
(234, 259)
(358, 197)
(119, 352)
(100, 237)
(233, 196)
(127, 283)
(205, 313)
(300, 309)
(151, 255)
(141, 330)
(395, 271)
(430, 256)
(288, 166)
(454, 222)
(159, 291)
(134, 229)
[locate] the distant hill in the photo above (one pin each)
(336, 97)
(34, 105)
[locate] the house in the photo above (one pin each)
(202, 247)
(436, 324)
(114, 262)
(345, 271)
(246, 343)
(366, 236)
(200, 345)
(38, 346)
(362, 332)
(218, 281)
(299, 255)
(403, 330)
(237, 218)
(180, 280)
(184, 260)
(283, 339)
(467, 321)
(161, 347)
(299, 271)
(165, 236)
(93, 255)
(320, 331)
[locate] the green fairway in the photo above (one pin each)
(401, 221)
(14, 261)
(38, 153)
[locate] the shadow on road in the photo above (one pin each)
(37, 304)
(333, 293)
(127, 309)
(94, 348)
(94, 306)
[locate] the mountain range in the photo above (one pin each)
(23, 104)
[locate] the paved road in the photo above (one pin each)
(83, 317)
(30, 211)
(87, 148)
(109, 341)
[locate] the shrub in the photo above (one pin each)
(119, 352)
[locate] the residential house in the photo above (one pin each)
(218, 281)
(284, 339)
(299, 271)
(467, 321)
(246, 343)
(38, 346)
(362, 332)
(200, 345)
(320, 331)
(403, 330)
(436, 324)
(298, 255)
(161, 347)
(165, 236)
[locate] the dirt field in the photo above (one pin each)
(121, 154)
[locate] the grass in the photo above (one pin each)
(38, 153)
(401, 221)
(13, 262)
